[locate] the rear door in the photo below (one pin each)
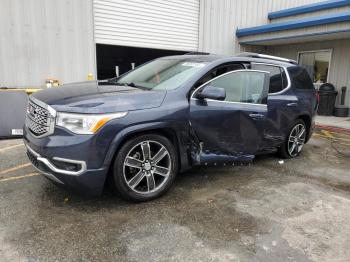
(234, 126)
(282, 104)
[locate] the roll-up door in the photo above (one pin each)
(161, 24)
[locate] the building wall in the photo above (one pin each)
(344, 25)
(339, 72)
(45, 38)
(219, 20)
(316, 13)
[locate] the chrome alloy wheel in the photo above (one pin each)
(296, 139)
(147, 167)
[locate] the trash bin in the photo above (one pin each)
(327, 99)
(342, 110)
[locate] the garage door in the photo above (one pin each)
(171, 24)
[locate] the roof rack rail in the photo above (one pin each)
(277, 58)
(197, 53)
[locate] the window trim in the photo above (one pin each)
(231, 72)
(319, 50)
(287, 75)
(215, 68)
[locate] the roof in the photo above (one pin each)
(295, 24)
(308, 8)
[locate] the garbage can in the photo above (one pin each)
(327, 99)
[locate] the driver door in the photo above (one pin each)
(233, 126)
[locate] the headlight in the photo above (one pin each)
(85, 123)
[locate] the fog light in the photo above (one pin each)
(65, 165)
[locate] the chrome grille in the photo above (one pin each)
(38, 119)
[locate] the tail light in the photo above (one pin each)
(318, 96)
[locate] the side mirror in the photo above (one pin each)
(212, 92)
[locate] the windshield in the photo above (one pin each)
(161, 74)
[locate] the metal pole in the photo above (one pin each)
(117, 71)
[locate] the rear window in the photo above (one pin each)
(300, 78)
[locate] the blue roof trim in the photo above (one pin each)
(308, 8)
(252, 42)
(294, 24)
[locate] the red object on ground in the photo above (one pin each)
(333, 128)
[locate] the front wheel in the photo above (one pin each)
(295, 140)
(145, 167)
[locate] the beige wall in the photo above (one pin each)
(219, 20)
(45, 38)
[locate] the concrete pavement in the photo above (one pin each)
(272, 210)
(339, 122)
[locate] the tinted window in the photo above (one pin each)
(243, 86)
(276, 80)
(300, 78)
(284, 78)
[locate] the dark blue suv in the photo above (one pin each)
(166, 116)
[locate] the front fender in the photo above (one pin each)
(180, 130)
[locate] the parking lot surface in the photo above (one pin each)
(271, 210)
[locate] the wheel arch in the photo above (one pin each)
(307, 120)
(164, 131)
(161, 128)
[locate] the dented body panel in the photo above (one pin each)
(225, 129)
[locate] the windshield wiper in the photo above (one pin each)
(114, 80)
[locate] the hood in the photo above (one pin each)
(90, 97)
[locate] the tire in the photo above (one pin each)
(145, 167)
(287, 150)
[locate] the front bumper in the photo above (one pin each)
(72, 174)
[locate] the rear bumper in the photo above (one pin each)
(312, 128)
(85, 181)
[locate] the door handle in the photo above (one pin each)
(292, 104)
(256, 116)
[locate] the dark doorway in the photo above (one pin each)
(110, 56)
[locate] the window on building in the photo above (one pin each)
(316, 64)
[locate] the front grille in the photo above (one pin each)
(38, 119)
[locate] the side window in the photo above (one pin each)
(242, 86)
(278, 78)
(222, 69)
(301, 78)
